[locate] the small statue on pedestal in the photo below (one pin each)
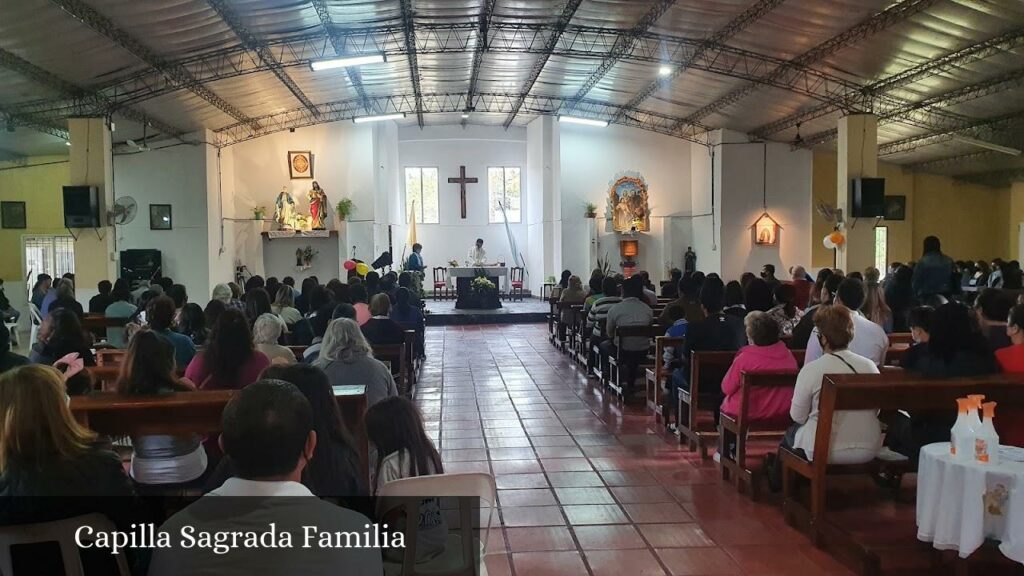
(317, 207)
(284, 209)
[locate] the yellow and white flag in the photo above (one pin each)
(410, 238)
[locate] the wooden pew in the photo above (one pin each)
(577, 338)
(740, 428)
(891, 390)
(698, 433)
(656, 376)
(397, 357)
(617, 362)
(194, 413)
(705, 432)
(100, 323)
(901, 338)
(104, 378)
(112, 357)
(561, 330)
(299, 351)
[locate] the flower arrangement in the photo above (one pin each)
(258, 212)
(453, 263)
(481, 284)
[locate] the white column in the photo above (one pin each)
(543, 202)
(858, 157)
(90, 165)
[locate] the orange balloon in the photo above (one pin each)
(837, 238)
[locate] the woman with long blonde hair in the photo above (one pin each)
(45, 453)
(875, 307)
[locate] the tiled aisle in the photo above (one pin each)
(584, 486)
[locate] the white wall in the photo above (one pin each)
(590, 159)
(788, 199)
(447, 148)
(343, 165)
(176, 175)
(707, 215)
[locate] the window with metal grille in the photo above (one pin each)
(503, 189)
(53, 255)
(421, 194)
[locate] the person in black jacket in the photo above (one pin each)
(8, 359)
(66, 298)
(51, 467)
(955, 348)
(380, 329)
(7, 312)
(98, 303)
(802, 331)
(61, 334)
(717, 331)
(334, 470)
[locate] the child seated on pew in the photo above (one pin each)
(149, 369)
(404, 450)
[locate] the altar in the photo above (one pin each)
(467, 298)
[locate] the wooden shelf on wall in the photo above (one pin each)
(330, 234)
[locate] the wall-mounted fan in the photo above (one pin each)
(123, 211)
(829, 212)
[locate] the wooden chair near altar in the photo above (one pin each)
(515, 283)
(441, 289)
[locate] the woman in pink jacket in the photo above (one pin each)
(765, 352)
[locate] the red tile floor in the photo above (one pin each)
(585, 484)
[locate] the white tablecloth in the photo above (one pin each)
(960, 504)
(474, 271)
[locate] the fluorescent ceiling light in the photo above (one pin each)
(987, 145)
(465, 115)
(318, 65)
(67, 143)
(664, 71)
(584, 121)
(362, 119)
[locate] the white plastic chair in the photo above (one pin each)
(12, 327)
(37, 320)
(63, 533)
(455, 561)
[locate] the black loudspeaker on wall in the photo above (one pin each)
(81, 207)
(139, 265)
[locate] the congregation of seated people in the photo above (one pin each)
(965, 319)
(282, 432)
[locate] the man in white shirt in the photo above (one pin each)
(477, 254)
(869, 339)
(269, 436)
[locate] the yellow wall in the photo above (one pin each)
(973, 222)
(39, 186)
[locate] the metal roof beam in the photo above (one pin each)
(45, 125)
(484, 23)
(623, 45)
(260, 49)
(486, 102)
(338, 43)
(924, 111)
(752, 14)
(568, 10)
(982, 129)
(102, 103)
(409, 29)
(178, 75)
(865, 29)
(862, 99)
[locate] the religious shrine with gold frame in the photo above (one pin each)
(627, 202)
(300, 165)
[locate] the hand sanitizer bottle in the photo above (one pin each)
(962, 430)
(986, 445)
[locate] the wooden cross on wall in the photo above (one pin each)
(462, 181)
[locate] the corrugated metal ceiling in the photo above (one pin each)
(827, 51)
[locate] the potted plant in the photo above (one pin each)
(258, 212)
(591, 210)
(345, 208)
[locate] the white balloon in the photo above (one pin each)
(827, 241)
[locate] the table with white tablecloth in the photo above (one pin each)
(961, 504)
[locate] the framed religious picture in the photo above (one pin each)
(895, 207)
(300, 165)
(12, 214)
(766, 230)
(160, 217)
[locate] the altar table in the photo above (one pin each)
(464, 275)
